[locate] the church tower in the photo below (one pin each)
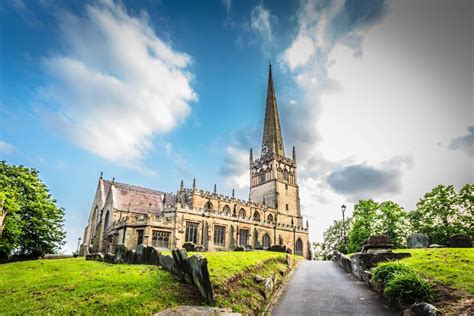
(273, 175)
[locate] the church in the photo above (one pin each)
(125, 214)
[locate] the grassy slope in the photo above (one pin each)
(451, 266)
(88, 287)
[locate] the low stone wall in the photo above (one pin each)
(362, 262)
(343, 260)
(192, 270)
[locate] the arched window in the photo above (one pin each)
(208, 206)
(242, 213)
(299, 247)
(226, 210)
(270, 218)
(266, 241)
(262, 177)
(106, 221)
(256, 216)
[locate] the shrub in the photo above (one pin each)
(239, 248)
(385, 271)
(407, 288)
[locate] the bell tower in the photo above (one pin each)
(273, 175)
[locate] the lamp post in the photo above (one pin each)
(343, 208)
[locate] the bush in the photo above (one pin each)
(407, 288)
(277, 248)
(239, 248)
(384, 272)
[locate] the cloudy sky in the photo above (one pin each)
(376, 96)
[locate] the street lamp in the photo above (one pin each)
(343, 208)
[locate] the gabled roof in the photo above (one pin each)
(138, 199)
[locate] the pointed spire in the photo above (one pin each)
(251, 155)
(307, 224)
(194, 183)
(294, 153)
(215, 188)
(181, 184)
(233, 193)
(272, 141)
(101, 175)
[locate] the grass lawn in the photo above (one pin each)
(451, 266)
(65, 286)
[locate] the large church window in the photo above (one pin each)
(219, 235)
(243, 237)
(191, 232)
(266, 241)
(256, 216)
(242, 213)
(299, 247)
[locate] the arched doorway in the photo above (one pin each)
(266, 241)
(299, 247)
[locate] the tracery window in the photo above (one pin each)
(226, 210)
(219, 235)
(243, 237)
(242, 213)
(270, 218)
(299, 247)
(160, 239)
(256, 216)
(208, 206)
(191, 234)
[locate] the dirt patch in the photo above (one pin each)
(453, 301)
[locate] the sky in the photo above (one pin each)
(375, 95)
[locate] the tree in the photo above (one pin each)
(392, 220)
(33, 223)
(333, 237)
(442, 213)
(364, 216)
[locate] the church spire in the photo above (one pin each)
(272, 140)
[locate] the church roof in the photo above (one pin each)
(138, 199)
(272, 141)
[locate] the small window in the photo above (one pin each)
(219, 235)
(286, 186)
(242, 213)
(139, 236)
(256, 216)
(266, 241)
(286, 206)
(270, 218)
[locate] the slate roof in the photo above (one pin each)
(139, 199)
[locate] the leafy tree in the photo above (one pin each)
(364, 216)
(392, 220)
(443, 212)
(33, 223)
(333, 237)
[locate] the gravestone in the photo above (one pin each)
(120, 253)
(460, 241)
(377, 244)
(417, 240)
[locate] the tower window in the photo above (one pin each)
(286, 206)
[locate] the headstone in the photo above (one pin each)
(377, 244)
(120, 253)
(200, 277)
(417, 240)
(437, 246)
(189, 246)
(268, 287)
(139, 252)
(423, 309)
(460, 241)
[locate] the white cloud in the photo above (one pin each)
(299, 52)
(117, 85)
(464, 143)
(6, 148)
(227, 5)
(261, 24)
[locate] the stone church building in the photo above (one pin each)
(131, 215)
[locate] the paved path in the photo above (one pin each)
(324, 288)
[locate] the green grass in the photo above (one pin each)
(67, 286)
(224, 265)
(451, 266)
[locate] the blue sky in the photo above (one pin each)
(376, 96)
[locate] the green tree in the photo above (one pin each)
(443, 212)
(364, 216)
(33, 223)
(392, 220)
(333, 237)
